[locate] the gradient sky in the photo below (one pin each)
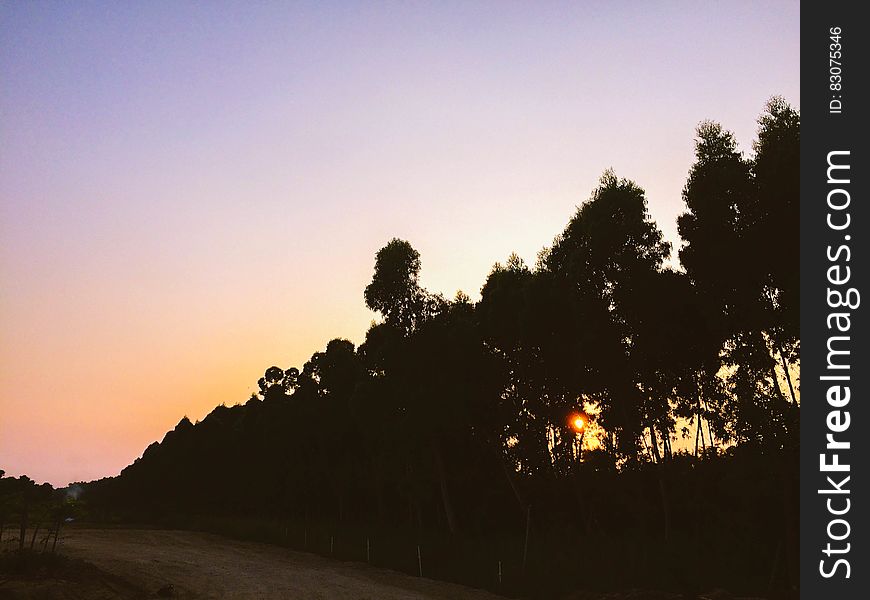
(191, 192)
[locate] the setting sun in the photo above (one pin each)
(325, 295)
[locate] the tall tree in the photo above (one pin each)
(609, 250)
(776, 231)
(395, 291)
(743, 269)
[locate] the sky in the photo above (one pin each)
(192, 192)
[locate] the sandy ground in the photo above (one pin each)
(139, 563)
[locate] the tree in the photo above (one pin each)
(776, 231)
(394, 290)
(452, 415)
(744, 270)
(718, 196)
(610, 250)
(507, 320)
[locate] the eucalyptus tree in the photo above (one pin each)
(450, 391)
(395, 291)
(609, 253)
(740, 251)
(503, 313)
(776, 232)
(424, 375)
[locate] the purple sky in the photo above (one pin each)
(191, 192)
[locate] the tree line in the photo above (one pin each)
(460, 419)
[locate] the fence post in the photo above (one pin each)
(499, 572)
(526, 544)
(331, 543)
(56, 533)
(368, 551)
(419, 561)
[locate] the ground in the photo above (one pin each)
(116, 564)
(134, 564)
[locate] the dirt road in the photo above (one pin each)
(200, 565)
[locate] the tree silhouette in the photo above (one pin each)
(776, 171)
(395, 292)
(610, 249)
(449, 425)
(733, 204)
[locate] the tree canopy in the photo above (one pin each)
(458, 416)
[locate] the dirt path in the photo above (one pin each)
(200, 565)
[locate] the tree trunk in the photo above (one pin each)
(445, 492)
(666, 444)
(412, 495)
(56, 533)
(495, 448)
(379, 492)
(22, 529)
(787, 375)
(778, 390)
(774, 570)
(666, 506)
(789, 474)
(703, 439)
(583, 507)
(528, 532)
(660, 465)
(645, 447)
(655, 445)
(33, 537)
(418, 513)
(513, 483)
(709, 435)
(778, 347)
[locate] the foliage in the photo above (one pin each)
(453, 420)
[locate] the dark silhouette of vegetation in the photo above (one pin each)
(31, 519)
(452, 430)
